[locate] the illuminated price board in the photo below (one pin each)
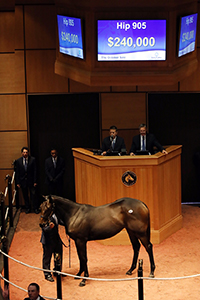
(187, 37)
(70, 36)
(131, 40)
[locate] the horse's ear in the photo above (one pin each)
(50, 199)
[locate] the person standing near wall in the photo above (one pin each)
(26, 179)
(54, 170)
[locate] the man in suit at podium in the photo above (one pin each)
(145, 141)
(113, 143)
(54, 169)
(25, 178)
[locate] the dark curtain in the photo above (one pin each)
(64, 122)
(175, 120)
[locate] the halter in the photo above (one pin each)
(49, 216)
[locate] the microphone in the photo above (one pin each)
(111, 137)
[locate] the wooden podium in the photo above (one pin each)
(98, 180)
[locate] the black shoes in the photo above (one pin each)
(49, 277)
(37, 211)
(28, 211)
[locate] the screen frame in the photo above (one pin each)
(179, 34)
(82, 36)
(132, 61)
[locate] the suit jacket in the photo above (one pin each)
(50, 236)
(54, 173)
(39, 296)
(119, 144)
(151, 142)
(25, 178)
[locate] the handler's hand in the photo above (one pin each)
(51, 225)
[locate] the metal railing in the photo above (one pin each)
(7, 219)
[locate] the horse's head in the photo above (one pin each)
(47, 209)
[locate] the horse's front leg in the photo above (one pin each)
(82, 254)
(136, 248)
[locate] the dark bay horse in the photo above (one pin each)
(85, 222)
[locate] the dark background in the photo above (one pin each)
(175, 120)
(64, 122)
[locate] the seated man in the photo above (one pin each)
(113, 142)
(145, 141)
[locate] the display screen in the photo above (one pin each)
(131, 40)
(187, 38)
(70, 36)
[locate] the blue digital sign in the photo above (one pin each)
(187, 37)
(131, 40)
(70, 36)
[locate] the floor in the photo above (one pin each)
(177, 256)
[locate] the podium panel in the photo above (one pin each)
(157, 182)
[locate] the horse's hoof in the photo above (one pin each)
(82, 283)
(129, 272)
(151, 276)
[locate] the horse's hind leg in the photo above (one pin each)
(82, 254)
(136, 248)
(149, 248)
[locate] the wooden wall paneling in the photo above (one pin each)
(11, 144)
(14, 112)
(19, 70)
(125, 110)
(192, 83)
(77, 87)
(34, 2)
(84, 171)
(7, 73)
(40, 73)
(12, 78)
(40, 26)
(7, 5)
(158, 88)
(124, 88)
(138, 190)
(168, 178)
(19, 27)
(7, 30)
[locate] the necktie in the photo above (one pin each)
(25, 164)
(113, 144)
(54, 163)
(143, 144)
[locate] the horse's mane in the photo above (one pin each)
(64, 202)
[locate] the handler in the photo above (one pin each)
(51, 243)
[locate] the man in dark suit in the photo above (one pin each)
(145, 141)
(52, 244)
(54, 169)
(33, 292)
(113, 142)
(25, 177)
